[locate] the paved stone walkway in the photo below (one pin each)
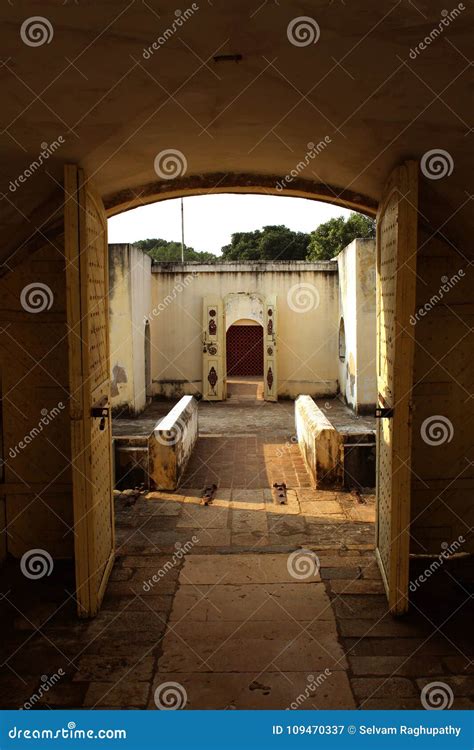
(241, 604)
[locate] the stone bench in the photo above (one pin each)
(171, 443)
(320, 443)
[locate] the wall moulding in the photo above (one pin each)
(217, 182)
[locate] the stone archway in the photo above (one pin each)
(244, 319)
(243, 306)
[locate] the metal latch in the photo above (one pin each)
(208, 494)
(101, 411)
(280, 493)
(384, 412)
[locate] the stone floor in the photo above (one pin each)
(244, 603)
(245, 389)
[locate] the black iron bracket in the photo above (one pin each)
(384, 412)
(101, 411)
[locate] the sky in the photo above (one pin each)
(209, 220)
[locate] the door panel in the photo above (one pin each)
(214, 355)
(396, 286)
(270, 372)
(87, 311)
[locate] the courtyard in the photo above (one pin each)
(236, 358)
(244, 603)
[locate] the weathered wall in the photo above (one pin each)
(36, 494)
(140, 275)
(346, 263)
(443, 404)
(366, 326)
(243, 309)
(307, 302)
(130, 303)
(357, 307)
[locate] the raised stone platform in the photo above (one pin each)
(338, 446)
(152, 453)
(171, 444)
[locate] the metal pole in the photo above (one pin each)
(182, 231)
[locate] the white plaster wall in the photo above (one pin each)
(121, 360)
(140, 290)
(242, 306)
(357, 306)
(129, 306)
(366, 325)
(307, 301)
(347, 266)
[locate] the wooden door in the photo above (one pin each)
(270, 370)
(213, 350)
(88, 338)
(396, 286)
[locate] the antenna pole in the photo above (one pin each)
(182, 230)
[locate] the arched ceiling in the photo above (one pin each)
(365, 89)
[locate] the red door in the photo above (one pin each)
(245, 351)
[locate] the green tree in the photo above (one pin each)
(331, 237)
(243, 246)
(162, 250)
(281, 243)
(270, 243)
